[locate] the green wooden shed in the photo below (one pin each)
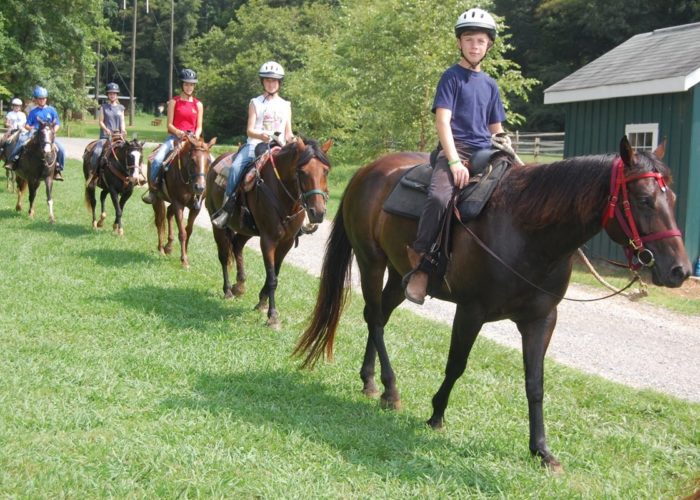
(647, 88)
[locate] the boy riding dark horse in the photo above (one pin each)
(468, 112)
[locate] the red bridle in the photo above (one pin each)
(637, 255)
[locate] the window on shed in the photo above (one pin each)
(643, 136)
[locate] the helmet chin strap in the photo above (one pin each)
(472, 66)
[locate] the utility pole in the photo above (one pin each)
(172, 29)
(97, 82)
(133, 68)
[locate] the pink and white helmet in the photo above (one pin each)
(16, 102)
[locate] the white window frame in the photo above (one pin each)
(644, 128)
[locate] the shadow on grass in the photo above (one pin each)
(41, 223)
(178, 308)
(107, 257)
(396, 443)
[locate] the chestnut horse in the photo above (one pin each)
(119, 171)
(513, 261)
(292, 182)
(37, 162)
(184, 183)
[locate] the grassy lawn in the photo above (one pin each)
(126, 376)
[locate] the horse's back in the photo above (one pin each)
(370, 229)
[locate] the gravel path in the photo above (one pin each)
(632, 343)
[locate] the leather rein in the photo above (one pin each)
(637, 255)
(302, 197)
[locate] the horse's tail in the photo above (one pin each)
(318, 337)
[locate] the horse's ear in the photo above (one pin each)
(327, 146)
(301, 146)
(660, 150)
(211, 143)
(626, 151)
(142, 144)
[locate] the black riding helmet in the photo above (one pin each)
(188, 76)
(112, 87)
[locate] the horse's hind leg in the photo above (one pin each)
(238, 242)
(91, 201)
(372, 278)
(49, 199)
(392, 296)
(535, 337)
(168, 248)
(465, 328)
(223, 248)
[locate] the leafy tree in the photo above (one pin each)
(49, 43)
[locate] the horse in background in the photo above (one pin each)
(290, 182)
(118, 171)
(184, 183)
(513, 261)
(37, 162)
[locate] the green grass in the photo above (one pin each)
(124, 375)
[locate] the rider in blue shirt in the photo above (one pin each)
(46, 114)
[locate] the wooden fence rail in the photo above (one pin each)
(536, 144)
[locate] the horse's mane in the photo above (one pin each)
(575, 189)
(311, 150)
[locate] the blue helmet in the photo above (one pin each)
(40, 92)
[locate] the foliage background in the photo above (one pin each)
(360, 71)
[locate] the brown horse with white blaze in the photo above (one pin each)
(184, 185)
(513, 261)
(291, 183)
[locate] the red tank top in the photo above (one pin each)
(185, 114)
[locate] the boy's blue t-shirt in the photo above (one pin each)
(475, 102)
(47, 114)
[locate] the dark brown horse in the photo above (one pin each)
(119, 171)
(512, 262)
(291, 183)
(37, 162)
(184, 184)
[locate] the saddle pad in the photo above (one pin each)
(222, 169)
(408, 197)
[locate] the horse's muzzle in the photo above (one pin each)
(315, 216)
(198, 188)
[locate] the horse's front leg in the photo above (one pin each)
(169, 212)
(191, 216)
(238, 242)
(117, 226)
(465, 328)
(266, 297)
(48, 182)
(182, 235)
(103, 213)
(123, 198)
(32, 197)
(92, 200)
(535, 338)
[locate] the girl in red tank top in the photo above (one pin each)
(185, 114)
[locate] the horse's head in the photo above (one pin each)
(312, 167)
(199, 158)
(648, 230)
(133, 153)
(45, 136)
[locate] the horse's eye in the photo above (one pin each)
(647, 202)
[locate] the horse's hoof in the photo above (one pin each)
(552, 465)
(371, 392)
(389, 404)
(436, 423)
(274, 323)
(228, 294)
(94, 224)
(52, 220)
(185, 265)
(238, 290)
(168, 249)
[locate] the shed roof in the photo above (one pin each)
(659, 62)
